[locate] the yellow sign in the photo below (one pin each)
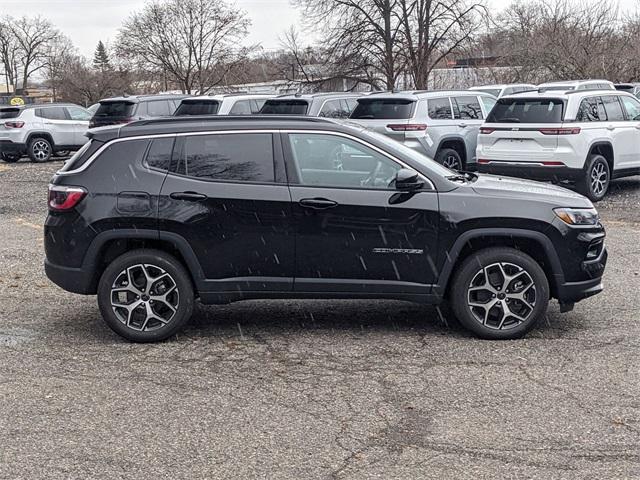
(17, 101)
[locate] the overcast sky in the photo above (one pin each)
(87, 21)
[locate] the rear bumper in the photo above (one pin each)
(8, 146)
(74, 280)
(533, 171)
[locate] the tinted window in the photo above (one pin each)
(159, 108)
(9, 112)
(115, 109)
(77, 113)
(81, 156)
(52, 113)
(383, 108)
(467, 108)
(333, 161)
(591, 110)
(333, 109)
(527, 110)
(246, 157)
(632, 106)
(285, 107)
(200, 107)
(613, 108)
(159, 155)
(439, 108)
(241, 107)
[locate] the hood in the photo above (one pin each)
(509, 187)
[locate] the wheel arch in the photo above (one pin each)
(455, 143)
(109, 245)
(606, 150)
(535, 244)
(39, 134)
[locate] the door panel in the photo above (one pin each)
(624, 134)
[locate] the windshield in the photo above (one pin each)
(402, 150)
(383, 108)
(115, 109)
(285, 107)
(527, 110)
(199, 107)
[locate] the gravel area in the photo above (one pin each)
(312, 389)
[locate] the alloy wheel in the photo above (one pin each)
(144, 297)
(501, 296)
(599, 179)
(41, 150)
(452, 162)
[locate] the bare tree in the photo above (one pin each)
(194, 42)
(434, 30)
(60, 54)
(33, 37)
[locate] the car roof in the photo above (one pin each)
(562, 94)
(421, 94)
(502, 85)
(171, 125)
(311, 96)
(574, 82)
(222, 96)
(40, 105)
(142, 98)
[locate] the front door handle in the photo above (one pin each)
(190, 196)
(462, 125)
(318, 203)
(610, 127)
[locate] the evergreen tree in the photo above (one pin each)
(101, 57)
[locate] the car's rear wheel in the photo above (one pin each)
(62, 153)
(145, 295)
(10, 157)
(596, 178)
(449, 158)
(40, 150)
(499, 293)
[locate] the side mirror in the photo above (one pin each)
(407, 180)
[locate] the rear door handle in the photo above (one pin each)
(462, 125)
(318, 203)
(190, 196)
(610, 127)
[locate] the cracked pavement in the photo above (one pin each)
(312, 389)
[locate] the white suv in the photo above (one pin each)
(584, 136)
(577, 85)
(225, 104)
(42, 130)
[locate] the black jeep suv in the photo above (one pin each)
(154, 214)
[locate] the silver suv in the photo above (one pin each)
(330, 105)
(440, 124)
(41, 131)
(224, 104)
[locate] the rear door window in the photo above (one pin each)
(384, 109)
(52, 113)
(613, 108)
(440, 109)
(80, 114)
(285, 107)
(467, 108)
(246, 157)
(199, 107)
(527, 110)
(115, 109)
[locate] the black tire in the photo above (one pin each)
(495, 323)
(39, 150)
(61, 153)
(165, 271)
(450, 158)
(596, 178)
(10, 157)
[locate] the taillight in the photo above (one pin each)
(483, 161)
(407, 127)
(487, 130)
(560, 131)
(14, 124)
(63, 198)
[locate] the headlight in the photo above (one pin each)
(578, 216)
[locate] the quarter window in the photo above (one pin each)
(333, 109)
(439, 109)
(467, 108)
(591, 110)
(159, 108)
(613, 108)
(241, 107)
(333, 161)
(246, 157)
(159, 155)
(632, 106)
(77, 113)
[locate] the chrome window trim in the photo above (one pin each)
(98, 152)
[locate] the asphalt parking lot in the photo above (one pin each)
(312, 389)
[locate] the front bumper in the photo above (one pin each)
(530, 171)
(571, 292)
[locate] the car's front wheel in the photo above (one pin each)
(40, 150)
(499, 293)
(596, 178)
(145, 295)
(449, 158)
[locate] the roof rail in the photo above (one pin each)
(223, 118)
